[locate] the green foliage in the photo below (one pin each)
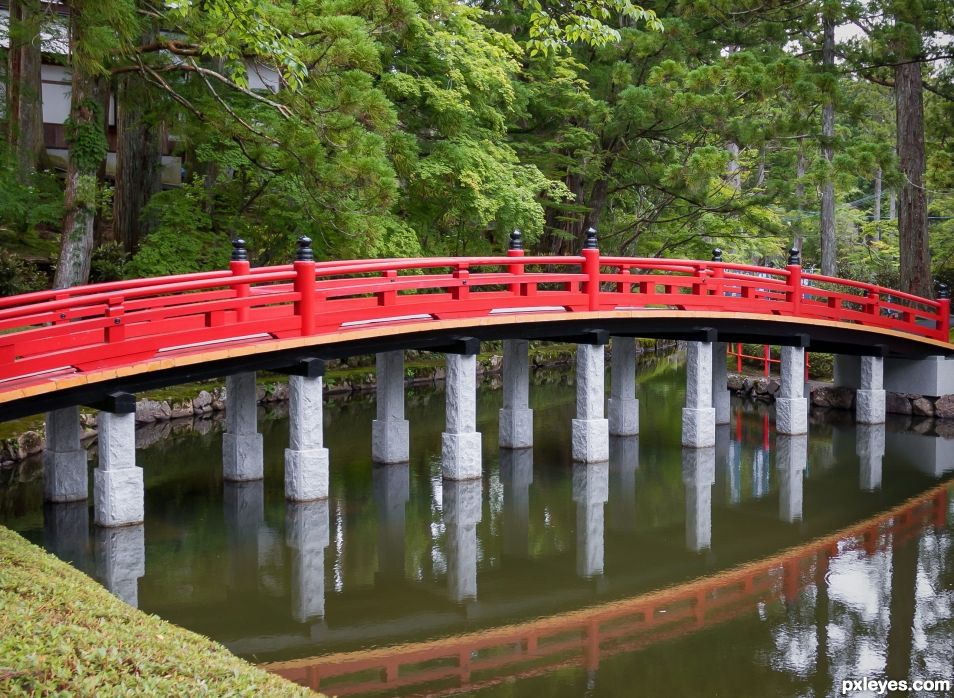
(85, 136)
(19, 276)
(108, 263)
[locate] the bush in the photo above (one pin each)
(18, 276)
(108, 263)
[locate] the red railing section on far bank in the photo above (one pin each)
(108, 325)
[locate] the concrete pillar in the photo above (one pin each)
(306, 533)
(720, 383)
(121, 560)
(590, 431)
(241, 443)
(66, 532)
(516, 473)
(698, 416)
(461, 442)
(870, 449)
(870, 396)
(791, 458)
(462, 513)
(118, 494)
(65, 475)
(791, 405)
(623, 464)
(623, 405)
(244, 511)
(590, 492)
(391, 487)
(306, 460)
(516, 417)
(390, 440)
(698, 476)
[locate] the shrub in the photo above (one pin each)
(18, 276)
(108, 263)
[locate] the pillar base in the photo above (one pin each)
(516, 428)
(698, 427)
(65, 476)
(390, 441)
(590, 440)
(461, 455)
(118, 496)
(791, 415)
(242, 457)
(623, 416)
(870, 406)
(306, 474)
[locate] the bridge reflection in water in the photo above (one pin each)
(585, 638)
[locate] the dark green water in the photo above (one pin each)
(395, 556)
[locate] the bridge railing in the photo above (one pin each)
(102, 326)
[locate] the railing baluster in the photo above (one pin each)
(305, 286)
(239, 265)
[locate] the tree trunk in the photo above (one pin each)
(25, 100)
(876, 213)
(734, 171)
(829, 265)
(892, 205)
(912, 208)
(800, 164)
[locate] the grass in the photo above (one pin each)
(61, 633)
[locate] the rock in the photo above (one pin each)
(897, 403)
(202, 402)
(773, 387)
(218, 399)
(88, 421)
(180, 408)
(944, 428)
(149, 411)
(830, 396)
(923, 425)
(279, 392)
(761, 386)
(923, 407)
(30, 442)
(944, 407)
(735, 383)
(259, 393)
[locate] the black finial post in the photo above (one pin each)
(516, 239)
(717, 254)
(590, 243)
(239, 251)
(304, 253)
(794, 256)
(943, 291)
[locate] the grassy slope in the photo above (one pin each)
(61, 633)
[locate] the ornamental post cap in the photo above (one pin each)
(943, 291)
(717, 254)
(304, 253)
(794, 256)
(590, 243)
(239, 251)
(516, 239)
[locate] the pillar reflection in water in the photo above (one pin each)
(698, 476)
(516, 473)
(727, 476)
(66, 531)
(121, 560)
(306, 533)
(390, 485)
(623, 464)
(462, 513)
(791, 453)
(244, 507)
(590, 492)
(870, 449)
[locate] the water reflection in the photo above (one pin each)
(623, 464)
(244, 508)
(390, 484)
(870, 450)
(516, 474)
(698, 476)
(121, 560)
(462, 513)
(590, 492)
(791, 460)
(306, 533)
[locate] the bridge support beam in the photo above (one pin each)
(118, 494)
(516, 417)
(590, 430)
(242, 458)
(869, 446)
(590, 492)
(791, 459)
(870, 406)
(306, 533)
(390, 433)
(462, 513)
(791, 405)
(623, 405)
(698, 416)
(461, 442)
(720, 383)
(306, 459)
(65, 477)
(698, 476)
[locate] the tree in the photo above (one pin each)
(25, 116)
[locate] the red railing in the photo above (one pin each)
(737, 349)
(123, 323)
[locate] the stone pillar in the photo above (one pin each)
(460, 443)
(65, 476)
(244, 510)
(462, 513)
(121, 560)
(516, 417)
(791, 405)
(870, 396)
(241, 443)
(720, 384)
(698, 416)
(791, 454)
(516, 473)
(590, 431)
(306, 533)
(698, 476)
(590, 492)
(391, 487)
(623, 405)
(623, 464)
(118, 494)
(390, 440)
(306, 460)
(870, 449)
